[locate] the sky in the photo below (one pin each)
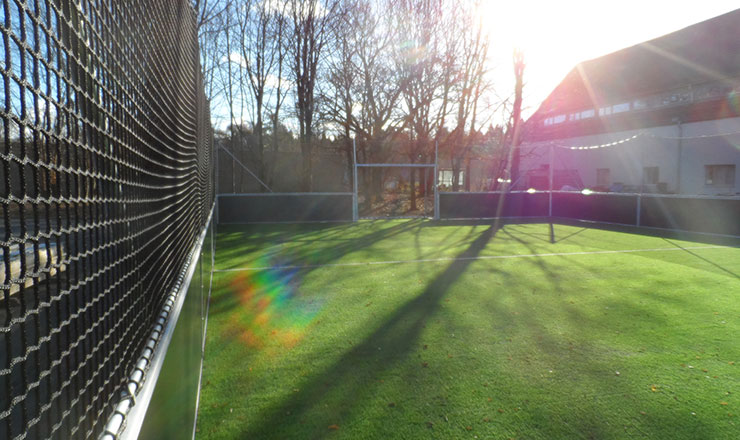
(557, 35)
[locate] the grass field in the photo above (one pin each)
(461, 331)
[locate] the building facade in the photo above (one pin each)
(662, 116)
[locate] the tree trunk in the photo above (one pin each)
(455, 162)
(350, 161)
(307, 165)
(274, 158)
(516, 116)
(412, 189)
(467, 175)
(260, 145)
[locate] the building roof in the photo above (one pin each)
(706, 53)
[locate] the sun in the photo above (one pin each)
(556, 36)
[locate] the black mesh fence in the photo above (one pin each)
(284, 207)
(105, 184)
(703, 214)
(491, 205)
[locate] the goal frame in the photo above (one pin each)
(355, 198)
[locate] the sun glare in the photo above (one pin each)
(556, 36)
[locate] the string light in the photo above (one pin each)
(610, 144)
(628, 139)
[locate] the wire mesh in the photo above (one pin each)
(105, 184)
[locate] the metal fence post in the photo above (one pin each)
(552, 172)
(355, 208)
(436, 184)
(216, 178)
(641, 170)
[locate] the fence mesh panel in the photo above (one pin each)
(105, 184)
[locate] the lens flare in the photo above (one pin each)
(412, 51)
(270, 311)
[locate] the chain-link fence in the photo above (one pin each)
(105, 184)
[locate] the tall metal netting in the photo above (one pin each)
(105, 184)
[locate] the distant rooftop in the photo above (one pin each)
(702, 59)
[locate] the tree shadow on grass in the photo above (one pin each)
(234, 240)
(572, 234)
(310, 252)
(697, 237)
(349, 383)
(706, 260)
(307, 261)
(578, 350)
(347, 379)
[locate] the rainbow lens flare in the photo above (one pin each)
(271, 312)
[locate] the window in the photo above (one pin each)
(639, 104)
(650, 175)
(603, 176)
(445, 177)
(605, 111)
(587, 114)
(720, 175)
(558, 119)
(676, 98)
(619, 108)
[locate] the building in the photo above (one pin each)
(661, 116)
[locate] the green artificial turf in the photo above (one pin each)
(590, 345)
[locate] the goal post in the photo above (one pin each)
(385, 186)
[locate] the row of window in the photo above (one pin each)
(590, 113)
(690, 93)
(670, 98)
(714, 175)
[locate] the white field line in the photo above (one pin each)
(481, 257)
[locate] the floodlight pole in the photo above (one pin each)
(436, 175)
(355, 210)
(552, 173)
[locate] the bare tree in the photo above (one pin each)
(513, 135)
(279, 89)
(506, 168)
(427, 65)
(210, 26)
(364, 83)
(309, 35)
(259, 55)
(396, 75)
(471, 70)
(231, 91)
(340, 92)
